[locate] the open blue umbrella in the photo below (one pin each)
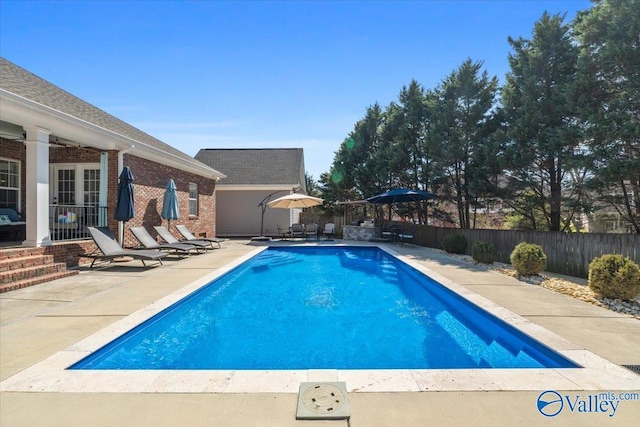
(124, 201)
(401, 195)
(170, 202)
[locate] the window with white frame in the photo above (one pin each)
(66, 185)
(193, 198)
(10, 184)
(91, 187)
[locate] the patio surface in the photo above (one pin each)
(42, 321)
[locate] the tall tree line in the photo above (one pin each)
(559, 139)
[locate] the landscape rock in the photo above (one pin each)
(561, 285)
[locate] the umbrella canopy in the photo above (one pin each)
(295, 200)
(124, 204)
(401, 195)
(170, 202)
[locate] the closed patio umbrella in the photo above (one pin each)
(124, 202)
(170, 203)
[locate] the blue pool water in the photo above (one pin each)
(323, 308)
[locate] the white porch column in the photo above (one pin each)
(37, 172)
(104, 188)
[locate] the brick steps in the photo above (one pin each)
(17, 263)
(22, 267)
(19, 252)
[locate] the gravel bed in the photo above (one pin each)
(567, 287)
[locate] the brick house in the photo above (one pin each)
(255, 176)
(60, 158)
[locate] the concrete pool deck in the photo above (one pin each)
(45, 320)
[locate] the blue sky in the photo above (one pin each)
(254, 74)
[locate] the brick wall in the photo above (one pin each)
(16, 150)
(150, 180)
(68, 252)
(73, 155)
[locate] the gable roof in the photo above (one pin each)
(38, 95)
(257, 167)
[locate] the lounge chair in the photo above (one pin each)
(166, 235)
(189, 237)
(110, 249)
(329, 230)
(311, 230)
(149, 242)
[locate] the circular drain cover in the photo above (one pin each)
(323, 398)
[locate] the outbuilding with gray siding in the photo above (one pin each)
(254, 176)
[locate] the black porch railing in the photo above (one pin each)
(70, 222)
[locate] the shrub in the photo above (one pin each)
(528, 259)
(455, 244)
(614, 276)
(484, 252)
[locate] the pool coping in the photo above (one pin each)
(51, 375)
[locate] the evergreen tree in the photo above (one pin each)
(609, 35)
(543, 132)
(463, 121)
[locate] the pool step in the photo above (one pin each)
(274, 260)
(483, 353)
(495, 351)
(471, 343)
(386, 270)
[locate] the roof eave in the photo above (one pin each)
(258, 187)
(27, 113)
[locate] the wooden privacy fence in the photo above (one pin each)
(567, 253)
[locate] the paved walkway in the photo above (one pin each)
(41, 321)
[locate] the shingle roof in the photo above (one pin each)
(247, 166)
(21, 82)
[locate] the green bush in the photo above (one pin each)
(528, 259)
(484, 252)
(614, 276)
(455, 244)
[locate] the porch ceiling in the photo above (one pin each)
(22, 113)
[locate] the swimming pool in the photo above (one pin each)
(323, 308)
